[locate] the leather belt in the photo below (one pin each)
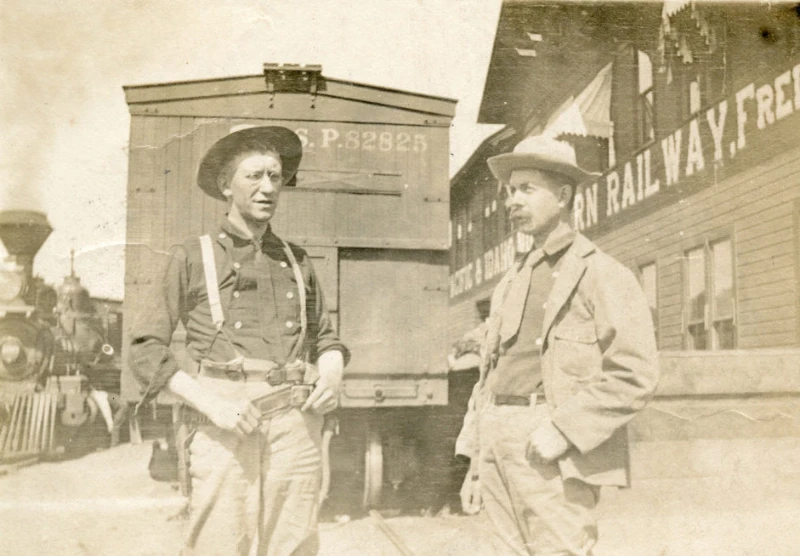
(267, 405)
(255, 370)
(522, 401)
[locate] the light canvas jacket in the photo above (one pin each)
(599, 363)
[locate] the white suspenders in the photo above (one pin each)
(212, 283)
(301, 288)
(212, 287)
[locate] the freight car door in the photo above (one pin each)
(392, 314)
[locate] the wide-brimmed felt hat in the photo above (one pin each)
(283, 140)
(540, 152)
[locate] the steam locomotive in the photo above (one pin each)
(58, 367)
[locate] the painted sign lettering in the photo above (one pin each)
(712, 138)
(363, 140)
(676, 165)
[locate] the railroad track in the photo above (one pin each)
(6, 468)
(390, 534)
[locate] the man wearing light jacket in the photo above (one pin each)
(568, 360)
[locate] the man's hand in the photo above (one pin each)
(241, 418)
(547, 442)
(325, 396)
(471, 500)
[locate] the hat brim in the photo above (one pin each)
(283, 140)
(503, 164)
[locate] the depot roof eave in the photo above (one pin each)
(544, 51)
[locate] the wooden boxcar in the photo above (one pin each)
(690, 112)
(370, 207)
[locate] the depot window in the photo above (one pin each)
(645, 117)
(709, 300)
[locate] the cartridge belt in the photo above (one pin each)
(523, 401)
(286, 397)
(254, 370)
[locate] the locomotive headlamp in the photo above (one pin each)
(10, 350)
(10, 285)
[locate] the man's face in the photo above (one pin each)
(255, 185)
(535, 199)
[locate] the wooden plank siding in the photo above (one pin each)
(176, 94)
(404, 309)
(175, 146)
(294, 108)
(462, 317)
(374, 175)
(755, 209)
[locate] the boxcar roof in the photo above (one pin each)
(178, 96)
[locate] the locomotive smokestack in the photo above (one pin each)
(23, 232)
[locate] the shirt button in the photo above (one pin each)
(237, 325)
(237, 266)
(289, 324)
(222, 235)
(290, 295)
(544, 305)
(236, 294)
(555, 274)
(283, 264)
(538, 341)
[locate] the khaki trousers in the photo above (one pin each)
(532, 510)
(268, 500)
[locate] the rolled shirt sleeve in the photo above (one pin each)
(151, 361)
(181, 297)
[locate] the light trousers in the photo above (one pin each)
(267, 502)
(532, 510)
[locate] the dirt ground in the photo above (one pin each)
(106, 503)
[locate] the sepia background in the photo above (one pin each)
(64, 64)
(689, 112)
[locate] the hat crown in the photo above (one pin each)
(539, 152)
(547, 147)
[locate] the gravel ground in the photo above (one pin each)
(106, 503)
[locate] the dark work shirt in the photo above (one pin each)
(518, 371)
(260, 303)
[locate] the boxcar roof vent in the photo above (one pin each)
(294, 78)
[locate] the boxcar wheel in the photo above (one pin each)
(373, 468)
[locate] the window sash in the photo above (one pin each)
(710, 297)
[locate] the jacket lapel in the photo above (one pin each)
(570, 274)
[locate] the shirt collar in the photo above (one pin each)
(236, 233)
(558, 241)
(555, 244)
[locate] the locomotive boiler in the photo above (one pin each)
(57, 367)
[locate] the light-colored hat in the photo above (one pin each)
(539, 152)
(283, 140)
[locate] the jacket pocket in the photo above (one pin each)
(576, 351)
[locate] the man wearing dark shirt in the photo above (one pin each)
(568, 359)
(255, 317)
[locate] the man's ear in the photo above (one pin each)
(223, 186)
(565, 195)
